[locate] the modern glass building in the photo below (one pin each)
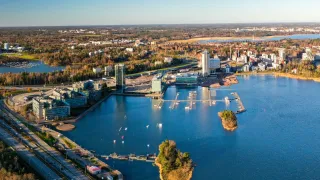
(186, 79)
(157, 86)
(120, 76)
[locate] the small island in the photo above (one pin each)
(173, 164)
(229, 120)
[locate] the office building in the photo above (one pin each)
(282, 54)
(264, 56)
(120, 76)
(157, 86)
(273, 57)
(186, 79)
(214, 64)
(228, 68)
(91, 89)
(307, 57)
(6, 46)
(45, 109)
(97, 70)
(107, 70)
(246, 68)
(168, 60)
(204, 63)
(73, 98)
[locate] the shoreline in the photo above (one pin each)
(192, 40)
(160, 170)
(276, 74)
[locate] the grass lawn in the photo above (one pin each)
(20, 55)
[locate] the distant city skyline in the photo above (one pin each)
(138, 12)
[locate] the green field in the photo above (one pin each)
(20, 55)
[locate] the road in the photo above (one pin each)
(18, 100)
(24, 153)
(51, 156)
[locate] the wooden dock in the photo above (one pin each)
(241, 108)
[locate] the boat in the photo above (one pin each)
(120, 129)
(122, 137)
(122, 142)
(147, 126)
(160, 125)
(125, 129)
(114, 141)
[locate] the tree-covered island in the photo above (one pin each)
(173, 164)
(229, 120)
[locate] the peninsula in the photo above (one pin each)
(173, 164)
(229, 120)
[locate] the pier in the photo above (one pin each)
(241, 108)
(192, 97)
(175, 102)
(131, 157)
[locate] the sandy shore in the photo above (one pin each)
(65, 127)
(293, 76)
(219, 38)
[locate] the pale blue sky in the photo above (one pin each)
(114, 12)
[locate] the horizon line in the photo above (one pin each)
(232, 23)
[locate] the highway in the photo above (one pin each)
(24, 153)
(47, 154)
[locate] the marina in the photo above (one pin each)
(200, 127)
(192, 100)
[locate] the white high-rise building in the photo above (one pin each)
(273, 57)
(6, 46)
(308, 50)
(205, 61)
(282, 54)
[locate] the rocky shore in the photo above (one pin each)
(188, 175)
(172, 163)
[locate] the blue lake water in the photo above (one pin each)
(277, 137)
(40, 67)
(275, 38)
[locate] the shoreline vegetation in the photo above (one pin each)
(192, 40)
(228, 119)
(173, 164)
(280, 74)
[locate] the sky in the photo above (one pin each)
(120, 12)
